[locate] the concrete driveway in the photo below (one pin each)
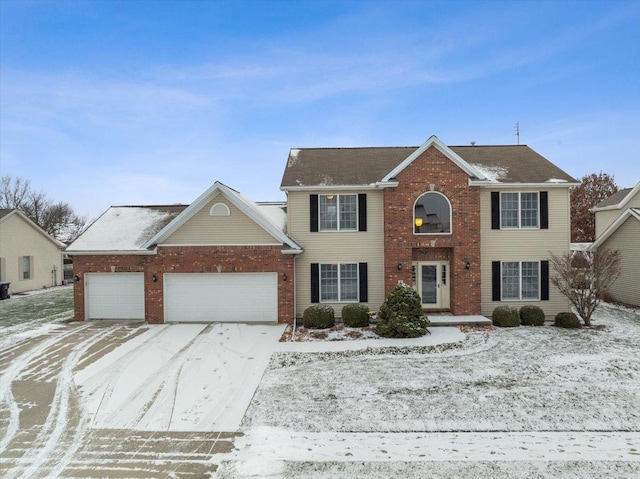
(121, 399)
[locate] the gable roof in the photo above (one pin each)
(630, 213)
(267, 217)
(139, 229)
(370, 166)
(7, 213)
(123, 229)
(618, 200)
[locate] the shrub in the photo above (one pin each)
(506, 317)
(566, 320)
(531, 316)
(402, 315)
(355, 315)
(318, 316)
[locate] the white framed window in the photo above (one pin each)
(220, 209)
(25, 265)
(520, 280)
(519, 210)
(432, 214)
(338, 212)
(339, 282)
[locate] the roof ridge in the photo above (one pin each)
(149, 206)
(396, 147)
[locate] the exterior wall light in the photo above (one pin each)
(154, 278)
(467, 265)
(399, 266)
(76, 278)
(284, 277)
(418, 222)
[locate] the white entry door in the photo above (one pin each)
(431, 281)
(222, 297)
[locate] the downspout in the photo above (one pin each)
(295, 312)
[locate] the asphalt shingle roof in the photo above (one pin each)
(615, 198)
(364, 166)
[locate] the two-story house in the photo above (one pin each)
(469, 227)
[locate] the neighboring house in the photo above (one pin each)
(29, 257)
(618, 227)
(469, 227)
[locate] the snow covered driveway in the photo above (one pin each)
(179, 377)
(121, 398)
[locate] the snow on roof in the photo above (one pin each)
(275, 214)
(493, 173)
(580, 246)
(124, 228)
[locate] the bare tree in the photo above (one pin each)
(57, 219)
(584, 276)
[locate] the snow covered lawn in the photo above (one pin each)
(541, 381)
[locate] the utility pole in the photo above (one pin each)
(518, 131)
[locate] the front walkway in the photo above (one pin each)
(441, 335)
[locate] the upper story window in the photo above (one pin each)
(338, 212)
(432, 214)
(519, 210)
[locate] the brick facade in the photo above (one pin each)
(402, 246)
(189, 259)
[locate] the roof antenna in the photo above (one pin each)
(518, 131)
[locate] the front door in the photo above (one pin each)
(431, 281)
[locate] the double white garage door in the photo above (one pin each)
(196, 297)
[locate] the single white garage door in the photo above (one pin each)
(114, 295)
(223, 297)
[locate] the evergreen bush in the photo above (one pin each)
(402, 315)
(506, 317)
(319, 316)
(567, 320)
(531, 316)
(355, 315)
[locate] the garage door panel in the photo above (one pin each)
(228, 297)
(114, 295)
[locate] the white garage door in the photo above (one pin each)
(225, 297)
(114, 295)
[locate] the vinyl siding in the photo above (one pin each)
(337, 247)
(235, 229)
(626, 289)
(18, 238)
(524, 245)
(605, 218)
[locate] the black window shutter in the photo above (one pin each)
(362, 212)
(313, 213)
(315, 283)
(544, 280)
(364, 283)
(544, 210)
(496, 280)
(495, 210)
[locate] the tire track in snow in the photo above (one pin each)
(57, 421)
(154, 392)
(112, 375)
(14, 371)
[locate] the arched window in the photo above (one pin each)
(220, 209)
(432, 214)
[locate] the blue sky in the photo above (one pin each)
(151, 102)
